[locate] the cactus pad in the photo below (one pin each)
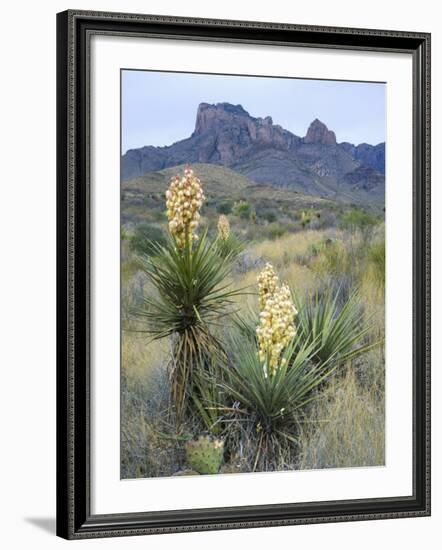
(205, 454)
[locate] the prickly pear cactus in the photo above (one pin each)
(205, 454)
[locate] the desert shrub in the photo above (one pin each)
(275, 230)
(251, 232)
(159, 216)
(145, 237)
(312, 251)
(153, 201)
(271, 216)
(242, 209)
(333, 259)
(327, 219)
(308, 216)
(358, 219)
(224, 207)
(268, 214)
(246, 262)
(305, 220)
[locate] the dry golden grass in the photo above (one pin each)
(139, 356)
(282, 251)
(346, 429)
(299, 278)
(374, 302)
(332, 261)
(373, 283)
(249, 300)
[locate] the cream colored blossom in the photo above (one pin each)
(268, 282)
(223, 227)
(184, 199)
(276, 321)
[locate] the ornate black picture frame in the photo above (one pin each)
(74, 518)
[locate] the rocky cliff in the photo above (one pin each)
(228, 135)
(319, 133)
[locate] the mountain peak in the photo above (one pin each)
(319, 133)
(230, 108)
(210, 115)
(229, 132)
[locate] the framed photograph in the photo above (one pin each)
(243, 274)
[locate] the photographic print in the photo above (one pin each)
(252, 274)
(243, 274)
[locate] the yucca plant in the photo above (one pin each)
(209, 400)
(192, 292)
(340, 332)
(227, 243)
(191, 297)
(272, 404)
(231, 246)
(272, 376)
(283, 357)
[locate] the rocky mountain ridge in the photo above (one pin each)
(228, 135)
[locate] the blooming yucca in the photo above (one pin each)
(193, 292)
(184, 199)
(268, 282)
(276, 321)
(226, 243)
(223, 227)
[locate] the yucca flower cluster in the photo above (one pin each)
(184, 199)
(268, 283)
(276, 320)
(223, 227)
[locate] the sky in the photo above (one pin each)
(159, 108)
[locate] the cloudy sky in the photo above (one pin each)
(159, 108)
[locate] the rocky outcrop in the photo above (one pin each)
(212, 117)
(318, 133)
(370, 155)
(234, 133)
(364, 177)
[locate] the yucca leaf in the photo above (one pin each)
(191, 293)
(341, 331)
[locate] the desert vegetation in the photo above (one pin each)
(252, 328)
